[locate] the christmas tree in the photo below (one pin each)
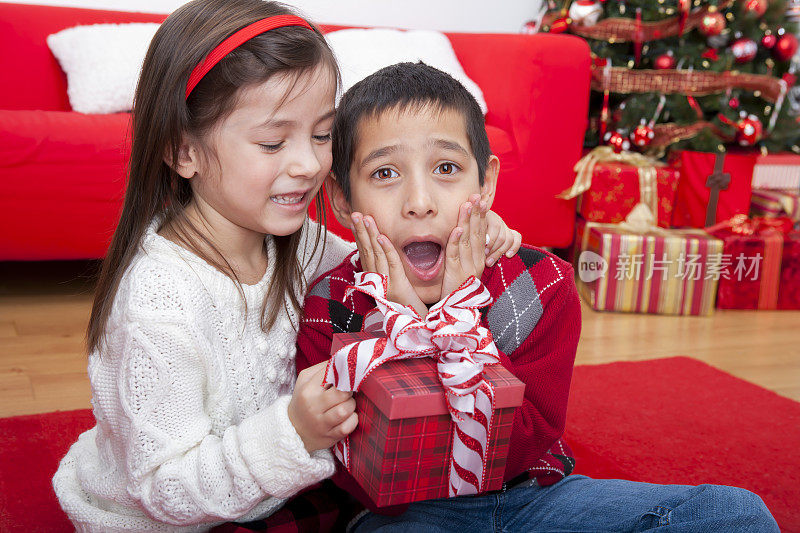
(694, 74)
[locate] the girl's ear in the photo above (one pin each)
(339, 204)
(490, 180)
(188, 160)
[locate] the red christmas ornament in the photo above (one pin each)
(768, 41)
(785, 48)
(665, 61)
(712, 23)
(559, 26)
(756, 8)
(617, 141)
(748, 130)
(642, 135)
(733, 103)
(744, 50)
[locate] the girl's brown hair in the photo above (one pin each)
(163, 118)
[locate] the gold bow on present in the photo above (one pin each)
(605, 154)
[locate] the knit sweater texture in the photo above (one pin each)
(190, 398)
(535, 320)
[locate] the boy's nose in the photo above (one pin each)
(419, 200)
(305, 163)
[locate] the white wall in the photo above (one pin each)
(502, 16)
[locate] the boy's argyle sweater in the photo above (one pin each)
(535, 320)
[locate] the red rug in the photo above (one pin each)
(679, 420)
(670, 420)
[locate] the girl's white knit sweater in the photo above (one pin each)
(190, 397)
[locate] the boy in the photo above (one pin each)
(409, 148)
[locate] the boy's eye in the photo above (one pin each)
(446, 168)
(271, 148)
(322, 138)
(385, 173)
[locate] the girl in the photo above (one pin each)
(192, 332)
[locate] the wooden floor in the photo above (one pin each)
(44, 308)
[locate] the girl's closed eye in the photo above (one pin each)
(385, 173)
(271, 148)
(322, 139)
(446, 168)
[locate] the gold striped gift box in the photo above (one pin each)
(671, 272)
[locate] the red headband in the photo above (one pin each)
(245, 34)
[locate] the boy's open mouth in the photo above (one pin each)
(425, 258)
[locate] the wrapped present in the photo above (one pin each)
(694, 194)
(775, 203)
(759, 256)
(609, 185)
(435, 407)
(777, 171)
(637, 267)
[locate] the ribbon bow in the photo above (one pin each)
(451, 332)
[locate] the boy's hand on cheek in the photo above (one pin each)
(379, 255)
(464, 255)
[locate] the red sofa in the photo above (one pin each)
(62, 172)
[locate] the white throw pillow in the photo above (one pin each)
(102, 63)
(360, 52)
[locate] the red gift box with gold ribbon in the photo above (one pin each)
(616, 190)
(760, 263)
(610, 184)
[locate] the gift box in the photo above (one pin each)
(673, 272)
(777, 171)
(400, 451)
(770, 203)
(616, 189)
(760, 263)
(692, 196)
(610, 184)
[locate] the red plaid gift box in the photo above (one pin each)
(777, 171)
(400, 451)
(774, 203)
(760, 256)
(692, 197)
(615, 191)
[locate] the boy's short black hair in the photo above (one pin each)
(402, 86)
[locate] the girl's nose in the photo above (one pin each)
(305, 162)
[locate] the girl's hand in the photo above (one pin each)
(322, 416)
(464, 255)
(502, 239)
(379, 255)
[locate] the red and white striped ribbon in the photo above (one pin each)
(451, 332)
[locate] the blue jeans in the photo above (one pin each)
(579, 504)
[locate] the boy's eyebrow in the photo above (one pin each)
(387, 150)
(449, 145)
(380, 152)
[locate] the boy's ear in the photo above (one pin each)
(188, 160)
(339, 204)
(490, 180)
